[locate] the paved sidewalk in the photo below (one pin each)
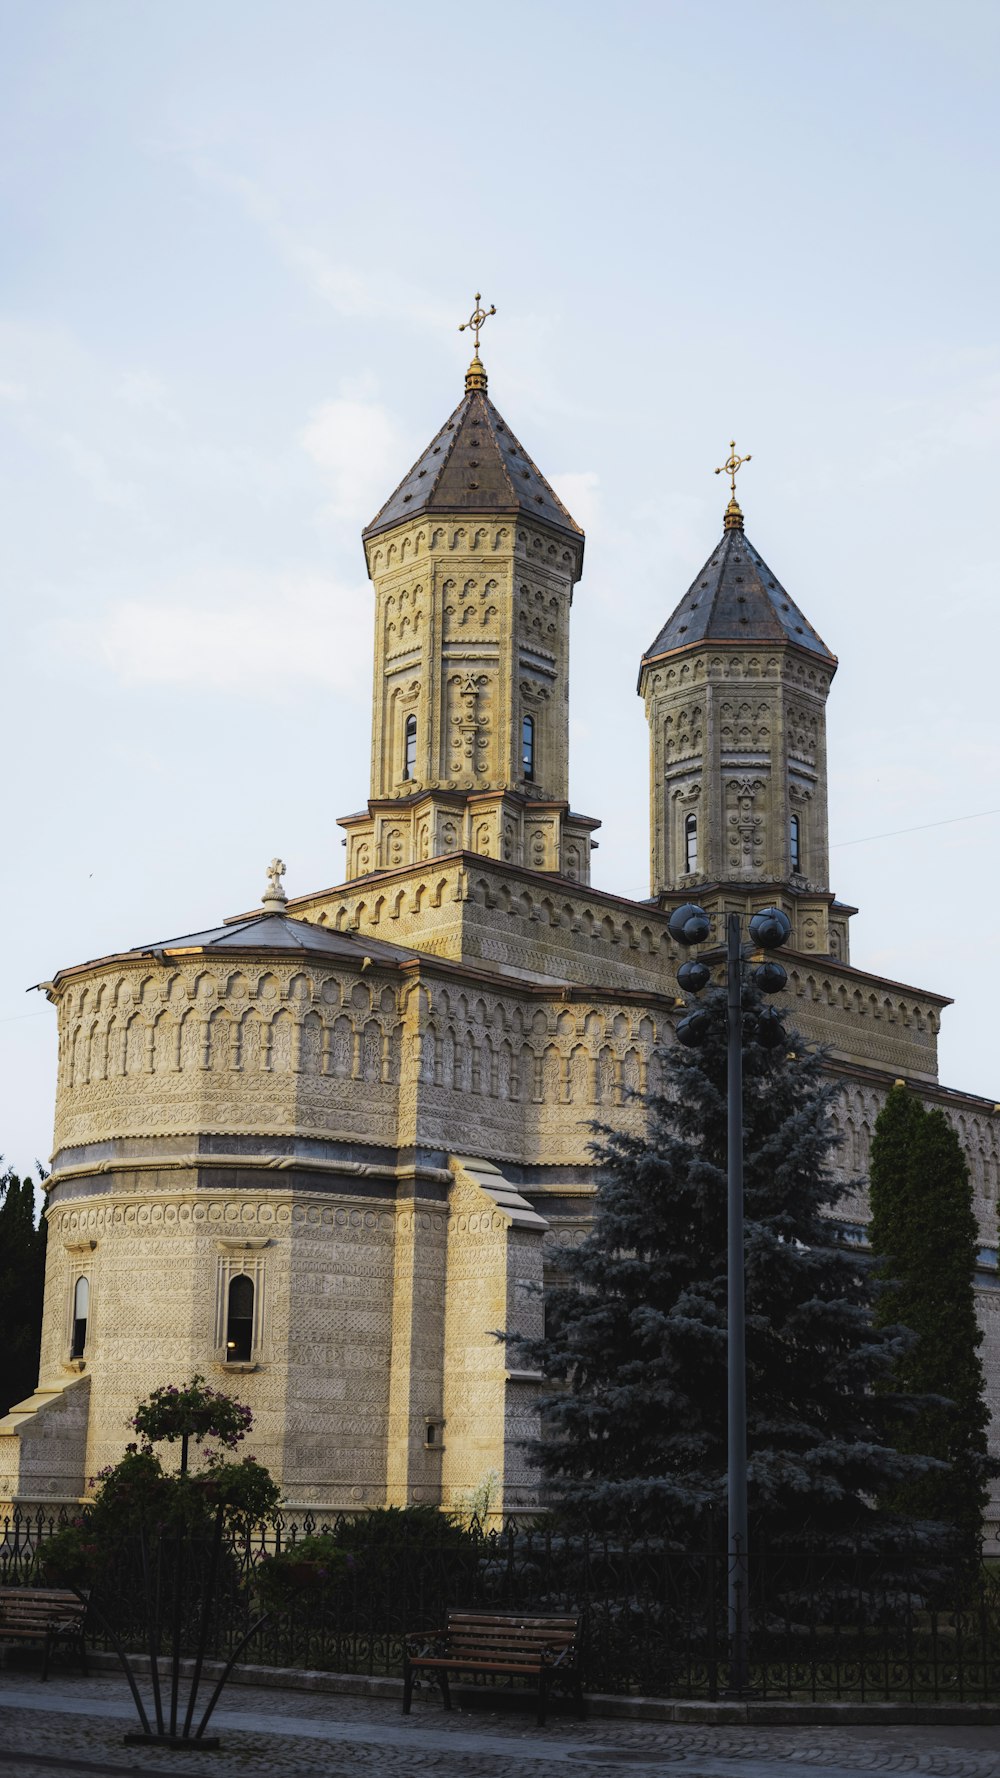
(72, 1727)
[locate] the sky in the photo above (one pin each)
(236, 241)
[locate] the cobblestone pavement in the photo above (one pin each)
(73, 1728)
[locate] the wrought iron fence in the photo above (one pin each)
(826, 1624)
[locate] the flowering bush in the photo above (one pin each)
(137, 1496)
(194, 1411)
(246, 1492)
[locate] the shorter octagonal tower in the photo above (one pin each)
(735, 687)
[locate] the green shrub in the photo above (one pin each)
(315, 1567)
(411, 1563)
(392, 1529)
(69, 1558)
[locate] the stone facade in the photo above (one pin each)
(719, 720)
(372, 1107)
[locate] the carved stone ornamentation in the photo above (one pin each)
(746, 826)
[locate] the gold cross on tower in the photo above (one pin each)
(478, 318)
(733, 463)
(475, 376)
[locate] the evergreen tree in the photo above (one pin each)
(924, 1236)
(635, 1338)
(22, 1284)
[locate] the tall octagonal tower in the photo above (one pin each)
(473, 559)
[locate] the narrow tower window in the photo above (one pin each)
(239, 1320)
(410, 748)
(795, 845)
(81, 1312)
(528, 747)
(690, 842)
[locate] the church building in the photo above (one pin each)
(321, 1151)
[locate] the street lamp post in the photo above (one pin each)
(690, 925)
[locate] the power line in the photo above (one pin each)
(893, 832)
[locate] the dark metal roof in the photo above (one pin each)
(475, 465)
(278, 932)
(736, 598)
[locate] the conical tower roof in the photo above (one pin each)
(475, 465)
(736, 598)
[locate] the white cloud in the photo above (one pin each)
(248, 634)
(62, 400)
(315, 253)
(337, 283)
(93, 468)
(359, 446)
(347, 291)
(141, 390)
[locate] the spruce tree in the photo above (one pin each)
(635, 1338)
(22, 1284)
(925, 1239)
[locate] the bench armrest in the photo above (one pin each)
(426, 1642)
(558, 1655)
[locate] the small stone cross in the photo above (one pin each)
(274, 898)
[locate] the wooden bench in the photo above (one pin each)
(43, 1614)
(509, 1645)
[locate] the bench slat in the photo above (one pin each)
(526, 1626)
(462, 1632)
(40, 1592)
(60, 1616)
(473, 1666)
(33, 1608)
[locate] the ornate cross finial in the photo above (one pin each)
(274, 898)
(732, 464)
(478, 319)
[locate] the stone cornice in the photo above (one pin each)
(413, 960)
(941, 1095)
(549, 882)
(450, 796)
(769, 645)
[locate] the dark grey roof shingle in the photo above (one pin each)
(279, 932)
(474, 465)
(736, 598)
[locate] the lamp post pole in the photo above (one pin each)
(769, 929)
(739, 1671)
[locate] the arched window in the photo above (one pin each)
(528, 747)
(795, 845)
(690, 842)
(410, 747)
(239, 1320)
(81, 1314)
